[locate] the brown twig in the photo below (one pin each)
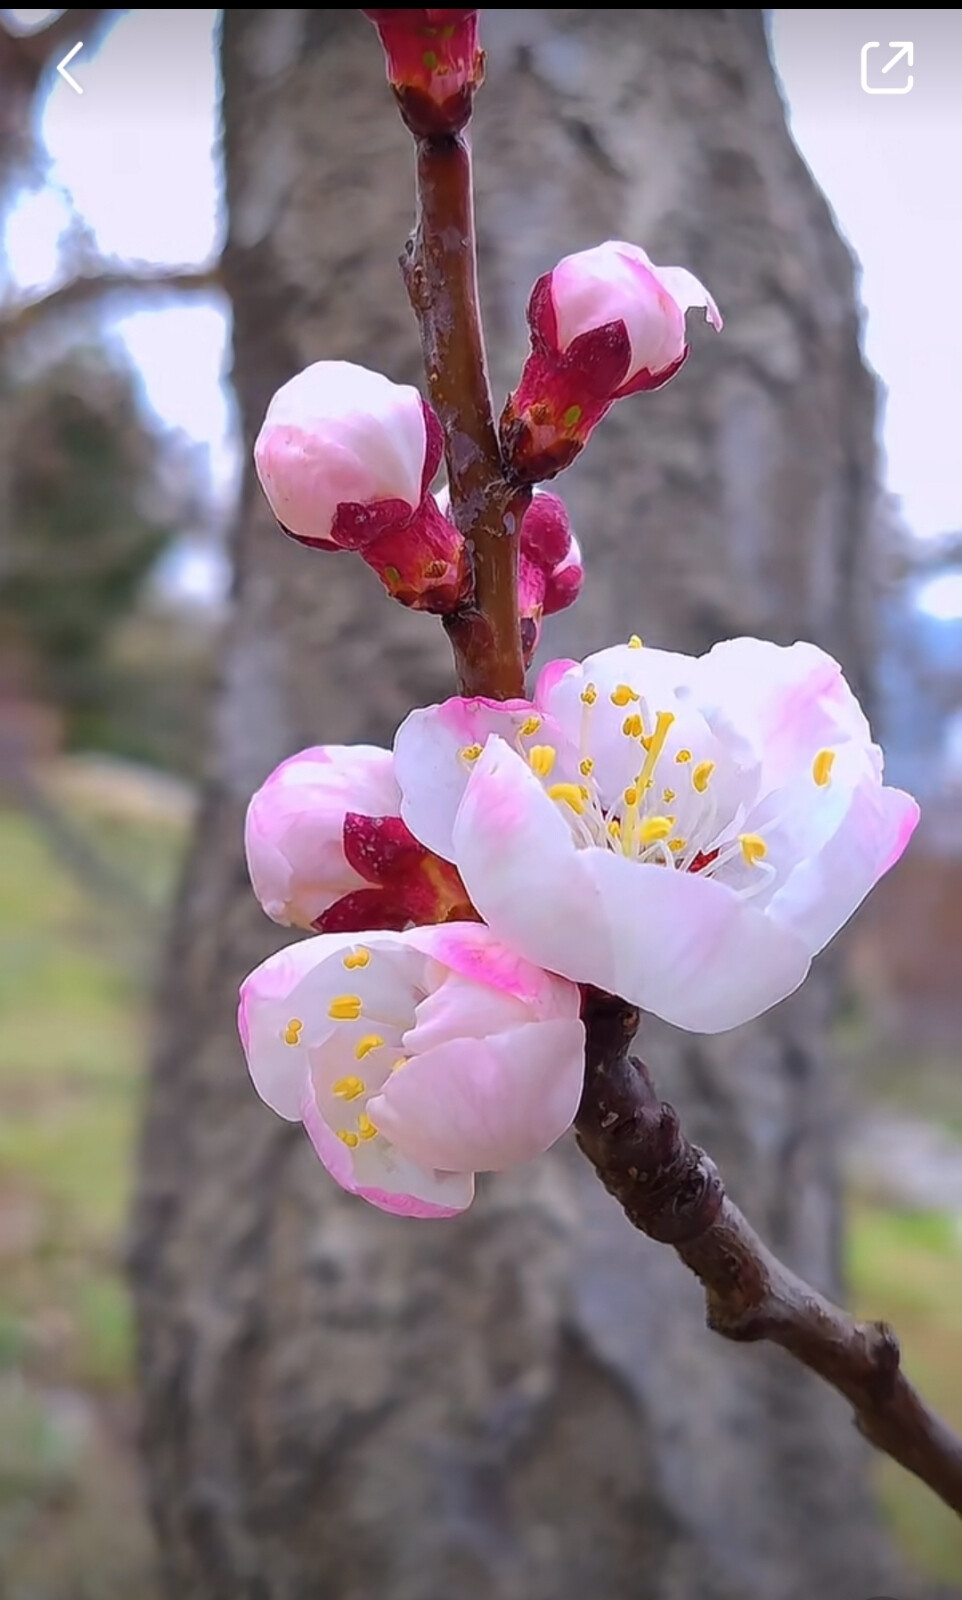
(24, 314)
(670, 1190)
(440, 274)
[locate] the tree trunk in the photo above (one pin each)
(524, 1403)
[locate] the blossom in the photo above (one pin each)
(414, 1059)
(684, 832)
(604, 324)
(345, 458)
(326, 847)
(434, 65)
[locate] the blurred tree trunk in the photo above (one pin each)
(524, 1404)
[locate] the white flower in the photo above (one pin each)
(684, 832)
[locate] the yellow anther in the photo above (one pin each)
(822, 767)
(632, 726)
(668, 796)
(634, 643)
(292, 1033)
(701, 775)
(345, 1008)
(350, 1088)
(530, 725)
(652, 830)
(571, 794)
(586, 767)
(357, 958)
(471, 752)
(371, 1041)
(589, 694)
(681, 756)
(676, 846)
(654, 746)
(542, 758)
(754, 848)
(365, 1127)
(624, 695)
(402, 1061)
(347, 1137)
(631, 796)
(614, 828)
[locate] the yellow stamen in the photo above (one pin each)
(754, 848)
(682, 756)
(371, 1041)
(654, 746)
(347, 1137)
(589, 694)
(356, 958)
(571, 794)
(471, 752)
(542, 758)
(623, 695)
(292, 1033)
(614, 828)
(402, 1061)
(668, 796)
(365, 1127)
(676, 846)
(586, 767)
(345, 1008)
(631, 796)
(822, 767)
(701, 775)
(530, 725)
(632, 726)
(634, 643)
(651, 830)
(349, 1088)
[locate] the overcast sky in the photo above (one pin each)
(135, 152)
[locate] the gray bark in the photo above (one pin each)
(524, 1403)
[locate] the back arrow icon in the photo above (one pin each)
(64, 64)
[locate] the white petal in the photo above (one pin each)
(384, 1177)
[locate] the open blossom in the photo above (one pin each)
(415, 1059)
(345, 458)
(684, 832)
(434, 65)
(604, 324)
(326, 847)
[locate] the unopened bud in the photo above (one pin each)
(434, 66)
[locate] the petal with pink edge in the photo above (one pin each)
(400, 1188)
(483, 1105)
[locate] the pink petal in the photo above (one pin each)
(483, 1105)
(423, 1200)
(518, 859)
(825, 889)
(473, 951)
(428, 765)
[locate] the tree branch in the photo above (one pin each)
(440, 274)
(670, 1190)
(23, 315)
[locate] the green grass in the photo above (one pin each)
(72, 1032)
(906, 1268)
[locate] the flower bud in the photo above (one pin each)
(604, 324)
(327, 850)
(345, 458)
(434, 66)
(550, 570)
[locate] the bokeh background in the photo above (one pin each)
(119, 471)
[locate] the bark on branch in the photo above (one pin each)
(670, 1190)
(440, 274)
(27, 313)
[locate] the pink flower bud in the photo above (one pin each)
(550, 570)
(327, 850)
(345, 458)
(604, 324)
(434, 66)
(414, 1059)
